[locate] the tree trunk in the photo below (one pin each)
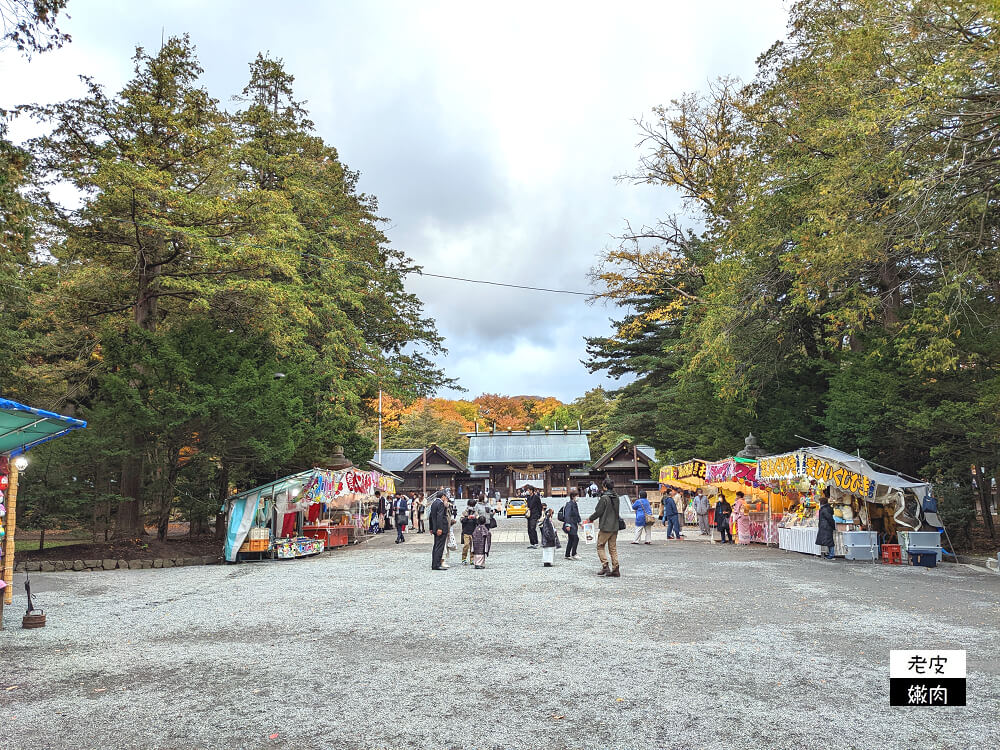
(889, 283)
(41, 539)
(223, 494)
(128, 524)
(983, 481)
(167, 493)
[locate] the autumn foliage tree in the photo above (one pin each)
(836, 274)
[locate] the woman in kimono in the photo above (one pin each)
(481, 539)
(742, 519)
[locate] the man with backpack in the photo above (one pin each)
(609, 519)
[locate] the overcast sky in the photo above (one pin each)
(491, 135)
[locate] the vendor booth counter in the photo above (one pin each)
(330, 536)
(803, 539)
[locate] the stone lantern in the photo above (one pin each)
(751, 449)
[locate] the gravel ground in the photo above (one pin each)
(697, 645)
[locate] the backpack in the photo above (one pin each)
(560, 515)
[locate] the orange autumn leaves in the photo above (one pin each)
(506, 412)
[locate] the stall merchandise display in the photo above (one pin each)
(4, 486)
(322, 504)
(302, 546)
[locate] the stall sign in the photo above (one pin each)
(785, 466)
(802, 464)
(360, 481)
(385, 483)
(746, 473)
(847, 480)
(668, 474)
(690, 469)
(719, 471)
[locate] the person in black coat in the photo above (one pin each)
(723, 510)
(824, 534)
(571, 525)
(534, 516)
(439, 523)
(402, 513)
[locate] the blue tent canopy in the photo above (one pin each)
(23, 427)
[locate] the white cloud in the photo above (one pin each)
(491, 134)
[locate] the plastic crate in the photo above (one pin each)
(924, 559)
(255, 545)
(891, 554)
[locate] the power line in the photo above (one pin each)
(305, 254)
(500, 283)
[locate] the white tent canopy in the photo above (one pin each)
(886, 483)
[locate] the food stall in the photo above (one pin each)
(869, 506)
(21, 429)
(765, 505)
(686, 477)
(302, 514)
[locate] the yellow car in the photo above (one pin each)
(517, 507)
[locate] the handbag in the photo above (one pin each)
(452, 544)
(493, 522)
(621, 524)
(649, 521)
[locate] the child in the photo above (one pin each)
(481, 539)
(550, 540)
(468, 529)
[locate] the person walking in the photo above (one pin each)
(824, 534)
(701, 508)
(468, 529)
(550, 540)
(608, 516)
(534, 516)
(571, 524)
(723, 510)
(421, 512)
(670, 517)
(643, 512)
(402, 513)
(438, 521)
